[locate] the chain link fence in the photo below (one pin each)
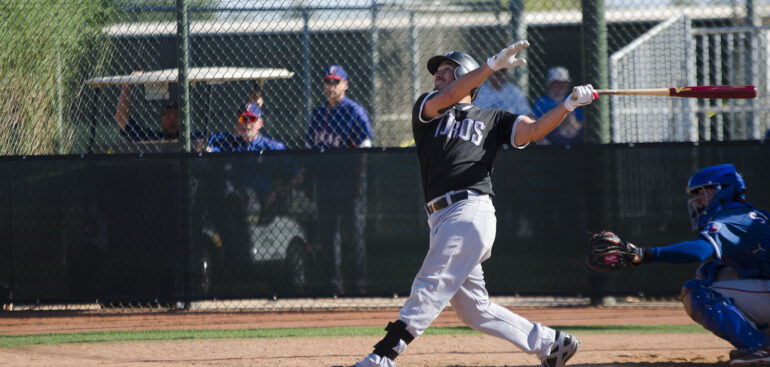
(127, 84)
(97, 77)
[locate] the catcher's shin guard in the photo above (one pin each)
(388, 346)
(720, 316)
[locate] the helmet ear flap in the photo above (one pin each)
(459, 71)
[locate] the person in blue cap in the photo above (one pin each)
(339, 122)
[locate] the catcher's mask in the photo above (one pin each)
(711, 188)
(464, 64)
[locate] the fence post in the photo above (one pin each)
(414, 61)
(183, 40)
(373, 56)
(184, 266)
(519, 32)
(306, 64)
(753, 130)
(594, 49)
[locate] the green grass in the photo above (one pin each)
(8, 341)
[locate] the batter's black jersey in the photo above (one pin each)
(457, 149)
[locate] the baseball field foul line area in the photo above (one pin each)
(610, 336)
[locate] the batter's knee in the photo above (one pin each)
(468, 311)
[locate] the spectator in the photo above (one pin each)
(500, 94)
(169, 119)
(129, 129)
(246, 136)
(571, 129)
(340, 122)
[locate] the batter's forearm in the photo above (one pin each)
(535, 130)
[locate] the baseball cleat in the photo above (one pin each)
(760, 357)
(563, 349)
(739, 353)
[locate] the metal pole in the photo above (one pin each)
(597, 128)
(183, 39)
(306, 64)
(58, 139)
(185, 263)
(373, 55)
(753, 130)
(519, 32)
(414, 42)
(594, 47)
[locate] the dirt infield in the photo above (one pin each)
(466, 350)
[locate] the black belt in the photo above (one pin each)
(445, 201)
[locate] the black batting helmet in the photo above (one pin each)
(465, 63)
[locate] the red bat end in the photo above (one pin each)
(715, 91)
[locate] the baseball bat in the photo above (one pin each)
(701, 91)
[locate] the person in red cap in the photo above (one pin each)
(246, 136)
(340, 122)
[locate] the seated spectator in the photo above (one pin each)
(246, 136)
(129, 129)
(571, 129)
(501, 94)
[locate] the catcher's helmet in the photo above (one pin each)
(465, 63)
(728, 185)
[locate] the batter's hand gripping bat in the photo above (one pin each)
(701, 91)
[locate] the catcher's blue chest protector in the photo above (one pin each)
(740, 235)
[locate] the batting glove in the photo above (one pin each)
(580, 96)
(506, 58)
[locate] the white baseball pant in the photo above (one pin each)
(461, 238)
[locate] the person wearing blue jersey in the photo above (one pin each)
(730, 295)
(246, 136)
(341, 123)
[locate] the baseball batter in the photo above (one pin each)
(730, 295)
(457, 143)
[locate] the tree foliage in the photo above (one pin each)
(43, 48)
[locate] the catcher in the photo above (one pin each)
(730, 295)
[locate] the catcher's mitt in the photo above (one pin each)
(607, 252)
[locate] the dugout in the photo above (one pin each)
(133, 229)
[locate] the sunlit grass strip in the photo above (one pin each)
(8, 341)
